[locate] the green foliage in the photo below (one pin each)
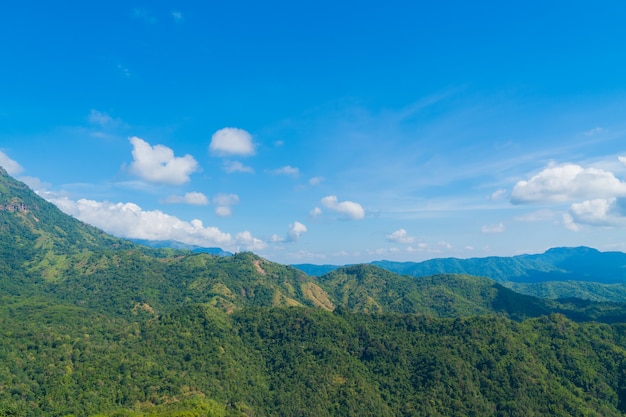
(91, 325)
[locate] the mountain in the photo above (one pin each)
(48, 253)
(173, 244)
(92, 325)
(557, 273)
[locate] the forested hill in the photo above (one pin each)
(556, 264)
(579, 272)
(50, 254)
(92, 325)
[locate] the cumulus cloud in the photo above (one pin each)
(286, 170)
(11, 166)
(158, 164)
(349, 209)
(236, 166)
(622, 159)
(563, 183)
(493, 228)
(296, 229)
(231, 141)
(128, 220)
(224, 203)
(250, 242)
(193, 198)
(608, 212)
(400, 236)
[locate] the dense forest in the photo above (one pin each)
(92, 325)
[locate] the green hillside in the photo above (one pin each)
(92, 325)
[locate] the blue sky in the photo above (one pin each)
(325, 132)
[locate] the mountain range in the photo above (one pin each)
(93, 325)
(580, 272)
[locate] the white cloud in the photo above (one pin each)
(158, 164)
(350, 209)
(224, 203)
(493, 228)
(128, 220)
(315, 212)
(231, 141)
(296, 229)
(11, 166)
(193, 198)
(316, 181)
(286, 170)
(178, 16)
(400, 236)
(250, 242)
(236, 166)
(622, 159)
(609, 212)
(562, 183)
(569, 223)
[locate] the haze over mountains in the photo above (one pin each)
(95, 325)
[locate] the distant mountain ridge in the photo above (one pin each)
(589, 273)
(174, 244)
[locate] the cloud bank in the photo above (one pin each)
(597, 196)
(565, 183)
(128, 220)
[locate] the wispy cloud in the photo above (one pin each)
(493, 228)
(178, 16)
(236, 166)
(192, 198)
(145, 15)
(287, 170)
(11, 166)
(224, 203)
